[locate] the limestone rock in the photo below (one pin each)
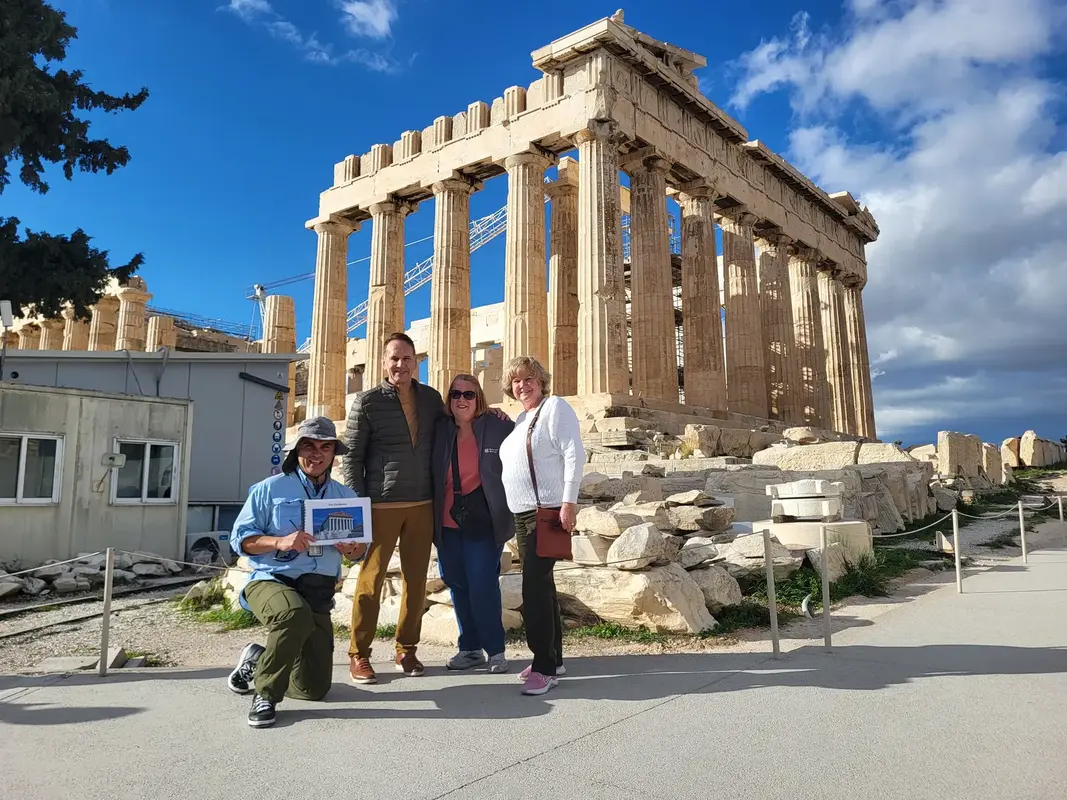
(718, 586)
(199, 591)
(33, 586)
(735, 442)
(594, 486)
(959, 454)
(433, 578)
(609, 524)
(881, 453)
(654, 512)
(234, 581)
(512, 620)
(394, 563)
(149, 570)
(439, 625)
(172, 567)
(663, 599)
(821, 508)
(744, 558)
(638, 547)
(10, 586)
(888, 519)
(341, 613)
(693, 518)
(692, 498)
(68, 584)
(654, 471)
(443, 597)
(836, 562)
(589, 549)
(511, 590)
(830, 455)
(53, 571)
(673, 545)
(746, 489)
(926, 452)
(1009, 453)
(641, 496)
(703, 440)
(992, 464)
(697, 550)
(124, 576)
(801, 435)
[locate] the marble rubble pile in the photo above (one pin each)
(83, 575)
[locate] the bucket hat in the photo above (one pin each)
(319, 428)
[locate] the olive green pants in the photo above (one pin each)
(298, 659)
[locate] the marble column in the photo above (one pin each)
(655, 351)
(525, 289)
(30, 337)
(450, 303)
(602, 364)
(859, 359)
(75, 331)
(102, 325)
(51, 335)
(385, 300)
(838, 361)
(776, 310)
(131, 331)
(704, 371)
(279, 336)
(810, 353)
(329, 321)
(746, 385)
(563, 280)
(161, 333)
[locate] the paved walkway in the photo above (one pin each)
(945, 696)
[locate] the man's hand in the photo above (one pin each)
(496, 412)
(351, 550)
(298, 541)
(568, 516)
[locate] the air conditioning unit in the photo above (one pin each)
(211, 547)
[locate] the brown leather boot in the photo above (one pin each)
(361, 670)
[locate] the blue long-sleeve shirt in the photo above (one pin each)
(275, 508)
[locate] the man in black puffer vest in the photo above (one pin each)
(390, 440)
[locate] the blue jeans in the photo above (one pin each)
(470, 567)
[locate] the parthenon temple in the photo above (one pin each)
(641, 328)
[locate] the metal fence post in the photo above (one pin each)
(824, 560)
(772, 598)
(105, 622)
(1059, 502)
(1022, 531)
(957, 547)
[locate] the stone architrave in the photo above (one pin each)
(131, 330)
(30, 336)
(563, 280)
(859, 360)
(602, 365)
(489, 370)
(51, 335)
(329, 321)
(450, 304)
(525, 289)
(808, 345)
(705, 376)
(838, 365)
(103, 324)
(385, 298)
(746, 385)
(655, 352)
(279, 336)
(776, 308)
(161, 333)
(75, 331)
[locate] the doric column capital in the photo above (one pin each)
(776, 243)
(336, 226)
(604, 129)
(133, 294)
(535, 157)
(807, 254)
(68, 313)
(106, 303)
(394, 205)
(737, 220)
(853, 281)
(459, 183)
(646, 159)
(697, 190)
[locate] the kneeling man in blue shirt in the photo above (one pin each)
(294, 578)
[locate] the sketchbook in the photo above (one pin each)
(346, 519)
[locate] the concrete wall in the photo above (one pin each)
(85, 518)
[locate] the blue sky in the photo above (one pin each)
(945, 116)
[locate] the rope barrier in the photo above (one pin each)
(54, 564)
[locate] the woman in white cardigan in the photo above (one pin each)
(558, 458)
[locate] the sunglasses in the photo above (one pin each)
(455, 394)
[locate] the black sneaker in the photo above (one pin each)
(240, 680)
(262, 713)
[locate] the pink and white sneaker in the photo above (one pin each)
(560, 672)
(538, 683)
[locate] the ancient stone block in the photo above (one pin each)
(514, 101)
(1009, 453)
(880, 453)
(718, 586)
(744, 558)
(831, 455)
(853, 535)
(640, 546)
(703, 440)
(802, 435)
(692, 498)
(442, 130)
(992, 465)
(959, 454)
(805, 488)
(605, 523)
(692, 518)
(589, 549)
(836, 561)
(478, 116)
(807, 507)
(511, 590)
(697, 550)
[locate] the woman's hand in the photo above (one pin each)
(568, 516)
(298, 541)
(353, 551)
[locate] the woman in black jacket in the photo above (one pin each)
(472, 521)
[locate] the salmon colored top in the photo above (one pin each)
(469, 476)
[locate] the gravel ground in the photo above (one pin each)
(150, 623)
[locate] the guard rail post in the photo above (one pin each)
(956, 548)
(105, 620)
(824, 560)
(772, 598)
(1022, 531)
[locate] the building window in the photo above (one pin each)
(30, 467)
(150, 474)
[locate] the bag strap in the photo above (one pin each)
(529, 452)
(457, 483)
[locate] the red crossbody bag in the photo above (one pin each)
(553, 540)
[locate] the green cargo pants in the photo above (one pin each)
(298, 660)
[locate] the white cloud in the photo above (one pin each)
(371, 18)
(260, 12)
(968, 183)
